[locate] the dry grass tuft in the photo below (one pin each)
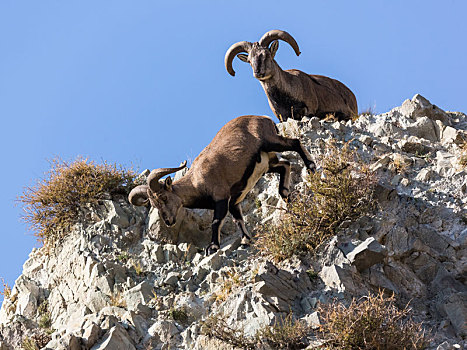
(342, 191)
(370, 111)
(216, 326)
(463, 156)
(286, 334)
(231, 281)
(371, 323)
(118, 300)
(6, 289)
(54, 204)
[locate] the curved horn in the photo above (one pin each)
(156, 174)
(279, 35)
(235, 49)
(139, 195)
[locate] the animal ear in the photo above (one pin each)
(168, 183)
(243, 57)
(273, 48)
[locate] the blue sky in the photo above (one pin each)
(143, 82)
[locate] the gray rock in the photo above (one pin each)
(172, 279)
(456, 310)
(339, 279)
(91, 334)
(116, 338)
(420, 107)
(367, 254)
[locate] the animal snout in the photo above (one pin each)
(259, 75)
(169, 222)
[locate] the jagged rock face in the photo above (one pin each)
(122, 280)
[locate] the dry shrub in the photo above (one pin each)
(117, 299)
(6, 289)
(231, 281)
(371, 323)
(216, 326)
(288, 333)
(54, 204)
(342, 191)
(370, 111)
(463, 156)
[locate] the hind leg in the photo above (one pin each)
(282, 167)
(282, 144)
(236, 211)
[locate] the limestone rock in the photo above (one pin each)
(367, 254)
(121, 279)
(115, 339)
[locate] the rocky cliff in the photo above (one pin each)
(122, 280)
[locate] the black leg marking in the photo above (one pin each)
(220, 211)
(236, 211)
(283, 169)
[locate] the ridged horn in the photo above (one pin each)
(139, 195)
(276, 34)
(156, 174)
(234, 50)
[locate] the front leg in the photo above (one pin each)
(236, 211)
(220, 212)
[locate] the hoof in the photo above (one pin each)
(284, 193)
(311, 167)
(211, 249)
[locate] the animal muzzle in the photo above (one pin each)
(169, 222)
(261, 75)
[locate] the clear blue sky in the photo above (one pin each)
(143, 82)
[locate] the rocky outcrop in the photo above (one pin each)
(122, 280)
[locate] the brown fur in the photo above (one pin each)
(293, 93)
(218, 175)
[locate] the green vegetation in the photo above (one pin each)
(371, 323)
(36, 341)
(55, 203)
(29, 344)
(45, 321)
(179, 315)
(342, 191)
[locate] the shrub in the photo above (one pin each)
(29, 344)
(342, 191)
(216, 326)
(54, 204)
(179, 314)
(286, 334)
(372, 322)
(117, 299)
(463, 156)
(6, 289)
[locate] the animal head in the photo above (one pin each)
(260, 55)
(160, 194)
